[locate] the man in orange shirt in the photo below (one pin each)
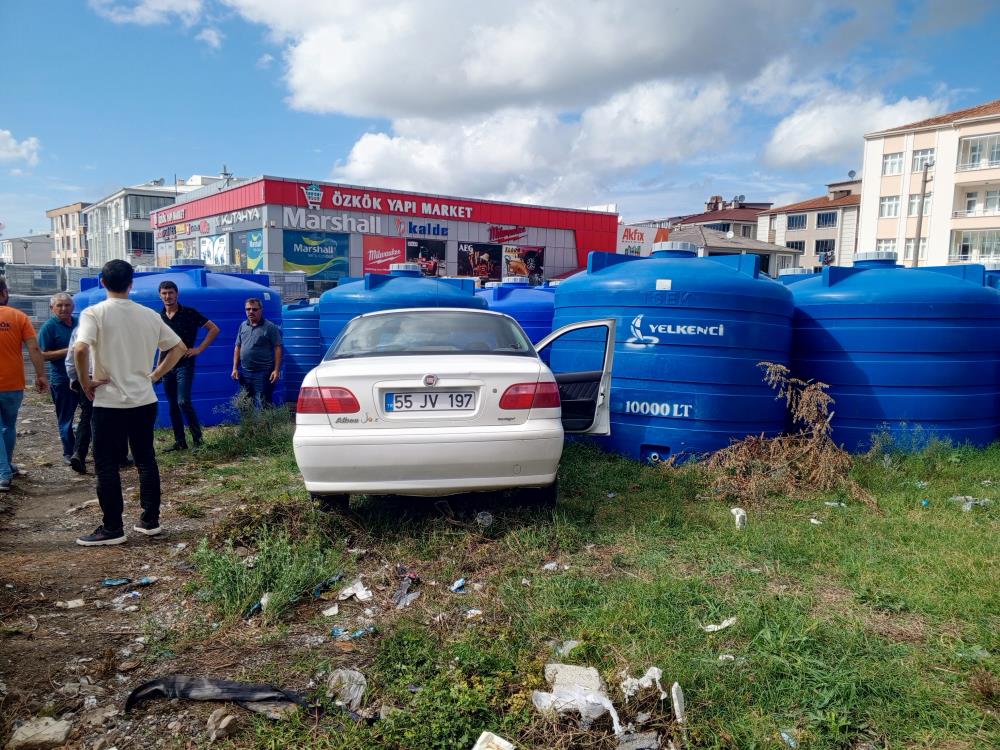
(15, 331)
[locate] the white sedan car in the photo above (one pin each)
(437, 401)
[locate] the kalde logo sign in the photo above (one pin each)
(427, 229)
(507, 234)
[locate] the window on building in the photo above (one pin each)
(922, 156)
(908, 248)
(888, 206)
(885, 246)
(992, 201)
(719, 226)
(825, 250)
(796, 245)
(975, 244)
(971, 199)
(892, 163)
(746, 230)
(796, 221)
(914, 204)
(979, 152)
(826, 219)
(141, 242)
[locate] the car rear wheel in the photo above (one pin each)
(338, 503)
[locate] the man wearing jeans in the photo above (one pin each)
(185, 322)
(122, 337)
(53, 339)
(257, 354)
(15, 331)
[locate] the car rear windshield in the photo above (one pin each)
(430, 332)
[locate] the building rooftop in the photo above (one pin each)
(990, 109)
(713, 239)
(817, 204)
(725, 214)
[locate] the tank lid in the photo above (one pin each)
(404, 269)
(519, 280)
(794, 271)
(675, 249)
(491, 285)
(188, 263)
(882, 257)
(553, 282)
(991, 265)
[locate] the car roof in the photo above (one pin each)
(472, 310)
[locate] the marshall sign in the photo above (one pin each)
(299, 218)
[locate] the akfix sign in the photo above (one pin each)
(636, 241)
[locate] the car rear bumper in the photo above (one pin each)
(409, 462)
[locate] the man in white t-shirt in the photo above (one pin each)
(122, 337)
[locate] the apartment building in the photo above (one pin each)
(69, 234)
(118, 225)
(32, 248)
(824, 229)
(961, 204)
(738, 216)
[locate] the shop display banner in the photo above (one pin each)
(428, 254)
(214, 250)
(524, 260)
(321, 255)
(479, 259)
(248, 249)
(379, 252)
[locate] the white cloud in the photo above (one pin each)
(16, 172)
(148, 12)
(829, 128)
(211, 37)
(265, 60)
(13, 150)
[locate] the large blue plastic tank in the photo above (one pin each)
(303, 344)
(794, 275)
(403, 286)
(691, 332)
(219, 297)
(910, 351)
(531, 306)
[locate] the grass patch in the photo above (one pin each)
(251, 433)
(189, 509)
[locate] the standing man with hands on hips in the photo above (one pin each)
(121, 336)
(185, 322)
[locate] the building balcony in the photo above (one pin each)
(975, 213)
(988, 172)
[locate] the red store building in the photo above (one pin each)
(331, 231)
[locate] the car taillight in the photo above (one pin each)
(326, 400)
(544, 395)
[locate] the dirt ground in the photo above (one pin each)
(80, 663)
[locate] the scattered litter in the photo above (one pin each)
(525, 582)
(566, 647)
(484, 520)
(472, 614)
(220, 724)
(116, 582)
(789, 739)
(815, 521)
(273, 710)
(677, 700)
(551, 566)
(721, 626)
(458, 587)
(338, 632)
(611, 495)
(921, 484)
(490, 741)
(576, 689)
(831, 504)
(128, 666)
(357, 590)
(332, 611)
(976, 653)
(643, 741)
(71, 604)
(361, 632)
(324, 585)
(403, 596)
(631, 686)
(969, 502)
(146, 581)
(925, 502)
(347, 687)
(740, 516)
(987, 483)
(206, 689)
(40, 732)
(359, 551)
(727, 657)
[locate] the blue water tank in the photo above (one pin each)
(531, 306)
(794, 275)
(691, 332)
(910, 351)
(217, 296)
(403, 286)
(303, 344)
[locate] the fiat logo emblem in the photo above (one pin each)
(430, 380)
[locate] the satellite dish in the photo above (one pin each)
(730, 235)
(741, 197)
(852, 174)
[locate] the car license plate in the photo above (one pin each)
(436, 401)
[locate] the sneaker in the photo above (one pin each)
(4, 485)
(176, 447)
(67, 461)
(148, 529)
(101, 538)
(78, 464)
(19, 470)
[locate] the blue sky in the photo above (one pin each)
(563, 103)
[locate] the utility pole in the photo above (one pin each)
(920, 213)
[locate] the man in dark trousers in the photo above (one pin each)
(257, 354)
(185, 322)
(53, 339)
(121, 337)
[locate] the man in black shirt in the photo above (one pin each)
(185, 322)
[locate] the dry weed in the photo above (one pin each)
(758, 468)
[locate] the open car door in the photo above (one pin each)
(585, 396)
